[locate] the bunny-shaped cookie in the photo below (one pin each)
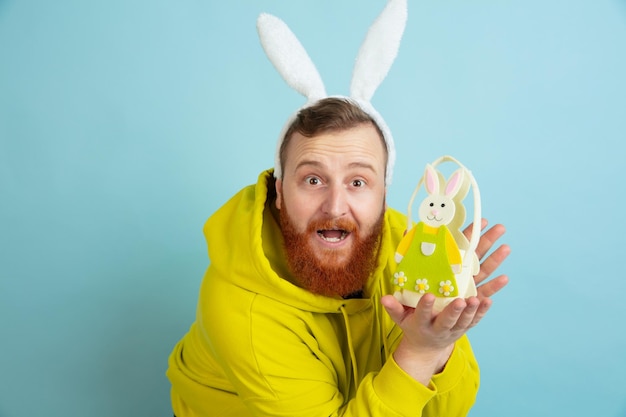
(429, 257)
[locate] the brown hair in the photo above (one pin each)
(330, 114)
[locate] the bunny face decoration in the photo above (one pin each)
(375, 57)
(439, 208)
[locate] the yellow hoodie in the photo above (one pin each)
(261, 346)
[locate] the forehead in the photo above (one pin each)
(361, 143)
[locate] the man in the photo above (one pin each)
(294, 315)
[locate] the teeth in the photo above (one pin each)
(333, 239)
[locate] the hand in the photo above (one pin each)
(489, 265)
(428, 337)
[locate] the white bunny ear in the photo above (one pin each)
(289, 57)
(379, 50)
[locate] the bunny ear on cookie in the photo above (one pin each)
(431, 180)
(289, 57)
(379, 50)
(454, 183)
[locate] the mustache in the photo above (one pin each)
(332, 224)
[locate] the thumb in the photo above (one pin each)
(393, 308)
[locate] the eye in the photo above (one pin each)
(313, 181)
(432, 204)
(443, 205)
(357, 183)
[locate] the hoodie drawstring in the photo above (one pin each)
(381, 325)
(346, 321)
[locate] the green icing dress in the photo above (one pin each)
(426, 266)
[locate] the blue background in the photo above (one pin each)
(125, 124)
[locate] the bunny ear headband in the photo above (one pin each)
(377, 53)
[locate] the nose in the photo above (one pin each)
(335, 202)
(434, 212)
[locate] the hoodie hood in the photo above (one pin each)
(245, 245)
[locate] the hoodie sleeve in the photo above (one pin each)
(450, 393)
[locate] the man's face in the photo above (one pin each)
(333, 195)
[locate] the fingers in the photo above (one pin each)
(490, 288)
(450, 316)
(468, 230)
(462, 316)
(492, 263)
(424, 310)
(424, 329)
(488, 239)
(481, 311)
(467, 319)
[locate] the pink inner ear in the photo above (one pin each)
(452, 183)
(431, 181)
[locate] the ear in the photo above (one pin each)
(279, 193)
(385, 205)
(431, 180)
(454, 183)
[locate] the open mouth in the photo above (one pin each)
(333, 235)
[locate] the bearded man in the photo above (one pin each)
(294, 315)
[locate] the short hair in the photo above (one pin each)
(331, 114)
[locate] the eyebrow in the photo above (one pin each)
(317, 164)
(365, 165)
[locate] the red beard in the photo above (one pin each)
(330, 273)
